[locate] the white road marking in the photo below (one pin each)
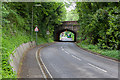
(76, 58)
(97, 67)
(62, 48)
(46, 68)
(72, 55)
(40, 65)
(65, 50)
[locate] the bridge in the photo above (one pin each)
(71, 26)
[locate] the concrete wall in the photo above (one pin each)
(17, 55)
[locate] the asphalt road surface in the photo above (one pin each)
(66, 60)
(30, 68)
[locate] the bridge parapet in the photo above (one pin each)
(70, 23)
(71, 26)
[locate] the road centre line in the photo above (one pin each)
(62, 48)
(76, 58)
(97, 67)
(72, 55)
(65, 50)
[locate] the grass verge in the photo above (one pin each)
(9, 43)
(114, 54)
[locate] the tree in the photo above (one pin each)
(99, 24)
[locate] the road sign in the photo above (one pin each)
(36, 29)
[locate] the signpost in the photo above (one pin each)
(36, 30)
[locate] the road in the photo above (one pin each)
(29, 67)
(66, 60)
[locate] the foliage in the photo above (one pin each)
(48, 16)
(94, 48)
(99, 24)
(10, 41)
(72, 16)
(16, 26)
(67, 4)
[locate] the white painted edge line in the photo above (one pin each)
(40, 65)
(46, 68)
(97, 67)
(76, 58)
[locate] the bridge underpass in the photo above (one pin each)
(71, 26)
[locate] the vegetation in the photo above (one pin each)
(72, 15)
(106, 52)
(16, 26)
(99, 25)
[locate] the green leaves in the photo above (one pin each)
(72, 16)
(17, 23)
(99, 22)
(94, 48)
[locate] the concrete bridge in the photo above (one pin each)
(71, 26)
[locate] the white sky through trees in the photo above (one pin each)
(72, 14)
(71, 7)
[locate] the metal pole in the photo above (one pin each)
(32, 24)
(36, 38)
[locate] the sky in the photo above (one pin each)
(72, 7)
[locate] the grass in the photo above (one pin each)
(15, 31)
(0, 54)
(0, 66)
(94, 48)
(10, 41)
